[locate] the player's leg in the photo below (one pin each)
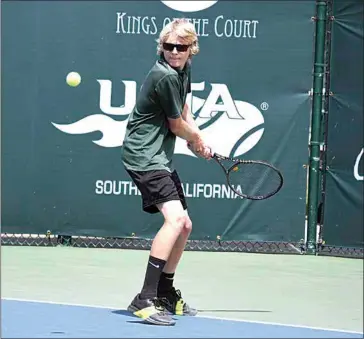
(179, 247)
(174, 219)
(180, 244)
(176, 304)
(158, 189)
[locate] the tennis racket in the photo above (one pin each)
(251, 179)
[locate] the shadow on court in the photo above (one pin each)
(124, 312)
(28, 319)
(234, 311)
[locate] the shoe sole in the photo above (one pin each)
(149, 320)
(185, 314)
(193, 314)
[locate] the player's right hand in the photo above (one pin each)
(201, 149)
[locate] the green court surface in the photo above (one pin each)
(314, 291)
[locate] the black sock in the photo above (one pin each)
(152, 276)
(165, 283)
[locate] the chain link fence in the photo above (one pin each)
(268, 247)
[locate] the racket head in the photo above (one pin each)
(254, 180)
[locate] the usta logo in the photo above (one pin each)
(357, 176)
(231, 127)
(189, 6)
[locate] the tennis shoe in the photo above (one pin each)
(151, 311)
(174, 303)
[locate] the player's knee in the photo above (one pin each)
(178, 222)
(188, 225)
(182, 224)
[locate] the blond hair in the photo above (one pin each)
(184, 30)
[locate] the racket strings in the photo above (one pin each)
(254, 179)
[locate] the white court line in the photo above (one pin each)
(199, 316)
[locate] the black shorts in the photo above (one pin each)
(156, 187)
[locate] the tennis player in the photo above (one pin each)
(161, 114)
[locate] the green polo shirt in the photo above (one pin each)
(149, 144)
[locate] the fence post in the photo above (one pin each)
(314, 146)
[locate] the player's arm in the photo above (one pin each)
(192, 134)
(168, 90)
(188, 117)
(184, 130)
(176, 127)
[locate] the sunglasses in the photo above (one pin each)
(170, 47)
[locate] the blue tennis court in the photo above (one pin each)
(65, 292)
(27, 319)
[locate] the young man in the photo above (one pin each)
(161, 114)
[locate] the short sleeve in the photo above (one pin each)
(169, 94)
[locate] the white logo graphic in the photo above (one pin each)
(357, 176)
(231, 127)
(189, 6)
(156, 266)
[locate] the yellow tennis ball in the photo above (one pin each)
(73, 79)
